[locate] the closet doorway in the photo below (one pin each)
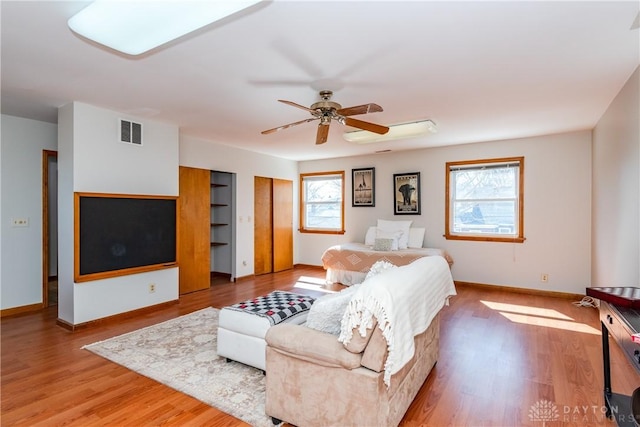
(207, 230)
(273, 225)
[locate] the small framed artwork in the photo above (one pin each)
(407, 193)
(364, 183)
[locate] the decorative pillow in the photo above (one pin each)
(393, 235)
(326, 312)
(416, 237)
(402, 226)
(385, 245)
(378, 268)
(370, 237)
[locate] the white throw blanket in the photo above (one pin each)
(404, 300)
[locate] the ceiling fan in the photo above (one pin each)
(325, 110)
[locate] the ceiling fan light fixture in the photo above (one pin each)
(399, 131)
(135, 27)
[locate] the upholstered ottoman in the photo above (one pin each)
(242, 326)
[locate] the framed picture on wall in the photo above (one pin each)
(406, 200)
(363, 187)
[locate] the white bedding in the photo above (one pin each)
(349, 263)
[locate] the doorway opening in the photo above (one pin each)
(49, 228)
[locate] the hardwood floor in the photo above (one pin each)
(501, 353)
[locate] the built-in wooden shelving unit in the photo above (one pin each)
(221, 222)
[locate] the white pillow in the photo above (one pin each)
(370, 237)
(416, 237)
(402, 226)
(326, 312)
(394, 236)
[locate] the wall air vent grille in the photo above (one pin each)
(130, 132)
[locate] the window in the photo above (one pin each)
(485, 200)
(322, 202)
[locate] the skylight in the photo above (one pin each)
(135, 27)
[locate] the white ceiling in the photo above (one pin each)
(480, 70)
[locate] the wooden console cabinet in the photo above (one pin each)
(620, 319)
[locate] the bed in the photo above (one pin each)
(349, 263)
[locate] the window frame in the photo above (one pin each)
(302, 202)
(449, 235)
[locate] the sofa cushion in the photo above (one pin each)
(312, 346)
(326, 312)
(358, 343)
(375, 354)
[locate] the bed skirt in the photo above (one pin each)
(344, 277)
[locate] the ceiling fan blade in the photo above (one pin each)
(264, 132)
(360, 109)
(372, 127)
(323, 133)
(293, 104)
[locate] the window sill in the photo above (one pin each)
(303, 230)
(485, 238)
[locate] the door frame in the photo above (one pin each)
(47, 155)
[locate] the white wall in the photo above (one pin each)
(557, 215)
(91, 159)
(66, 304)
(21, 148)
(199, 153)
(616, 190)
(558, 194)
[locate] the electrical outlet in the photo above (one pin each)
(152, 288)
(19, 222)
(544, 277)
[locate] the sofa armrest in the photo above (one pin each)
(309, 344)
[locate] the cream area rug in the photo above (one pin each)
(181, 353)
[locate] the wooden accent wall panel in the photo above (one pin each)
(263, 226)
(282, 225)
(195, 228)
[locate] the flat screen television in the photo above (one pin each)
(119, 234)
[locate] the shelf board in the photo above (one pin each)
(218, 243)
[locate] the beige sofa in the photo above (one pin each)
(366, 375)
(314, 380)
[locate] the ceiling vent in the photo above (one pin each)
(130, 132)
